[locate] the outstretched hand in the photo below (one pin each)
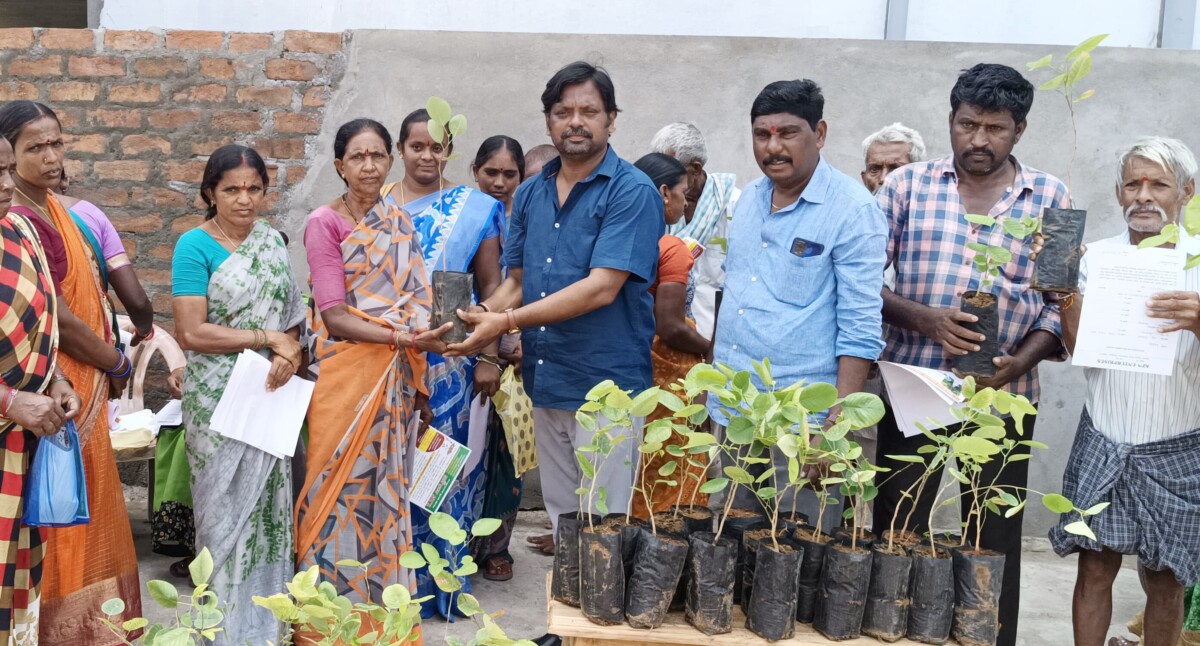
(486, 327)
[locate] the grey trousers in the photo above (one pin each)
(558, 435)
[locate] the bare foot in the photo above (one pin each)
(543, 543)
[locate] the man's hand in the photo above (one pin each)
(485, 328)
(1008, 368)
(944, 326)
(36, 413)
(487, 379)
(1182, 308)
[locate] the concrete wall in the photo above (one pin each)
(496, 79)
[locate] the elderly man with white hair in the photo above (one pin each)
(1138, 443)
(710, 200)
(887, 149)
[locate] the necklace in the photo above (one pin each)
(226, 235)
(350, 211)
(45, 213)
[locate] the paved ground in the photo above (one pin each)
(1046, 584)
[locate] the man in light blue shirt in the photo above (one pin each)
(807, 249)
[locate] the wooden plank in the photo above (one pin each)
(576, 630)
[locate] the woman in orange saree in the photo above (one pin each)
(370, 303)
(677, 345)
(88, 564)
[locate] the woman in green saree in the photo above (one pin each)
(233, 290)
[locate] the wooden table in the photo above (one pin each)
(576, 630)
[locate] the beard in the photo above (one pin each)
(1144, 227)
(577, 150)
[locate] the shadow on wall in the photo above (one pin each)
(72, 14)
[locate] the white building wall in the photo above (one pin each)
(1130, 23)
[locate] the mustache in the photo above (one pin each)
(776, 158)
(576, 132)
(1147, 208)
(981, 151)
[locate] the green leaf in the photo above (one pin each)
(163, 593)
(915, 459)
(1079, 528)
(437, 132)
(585, 465)
(1054, 83)
(714, 485)
(438, 109)
(351, 563)
(201, 567)
(1039, 63)
(469, 605)
(137, 623)
(699, 439)
(818, 396)
(1015, 510)
(179, 636)
(658, 432)
(1057, 503)
(958, 475)
(395, 596)
(1192, 262)
(980, 220)
(1085, 96)
(485, 526)
(862, 410)
(1086, 46)
(443, 525)
(644, 403)
(973, 447)
(668, 468)
(1080, 68)
(763, 370)
(457, 125)
(1191, 216)
(1096, 508)
(411, 560)
(739, 475)
(999, 255)
(767, 493)
(740, 430)
(1169, 233)
(990, 432)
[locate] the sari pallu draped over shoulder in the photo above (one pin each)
(87, 565)
(28, 352)
(242, 496)
(355, 503)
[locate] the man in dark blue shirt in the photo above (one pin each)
(581, 253)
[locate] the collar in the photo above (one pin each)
(1022, 181)
(608, 166)
(814, 193)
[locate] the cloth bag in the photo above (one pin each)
(516, 415)
(56, 491)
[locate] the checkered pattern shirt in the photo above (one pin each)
(928, 249)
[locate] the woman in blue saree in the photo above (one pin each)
(459, 229)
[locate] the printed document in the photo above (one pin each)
(921, 395)
(436, 464)
(1114, 331)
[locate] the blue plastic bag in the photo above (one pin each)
(56, 491)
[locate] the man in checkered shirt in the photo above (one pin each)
(925, 204)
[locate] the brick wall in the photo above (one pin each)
(142, 110)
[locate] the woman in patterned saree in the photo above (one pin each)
(370, 308)
(233, 290)
(85, 565)
(28, 360)
(459, 229)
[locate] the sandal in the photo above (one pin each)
(497, 568)
(179, 569)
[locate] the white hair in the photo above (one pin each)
(682, 141)
(898, 133)
(1170, 154)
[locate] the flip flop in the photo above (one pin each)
(497, 568)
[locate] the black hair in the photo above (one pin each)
(352, 129)
(493, 144)
(663, 170)
(227, 158)
(15, 115)
(801, 98)
(993, 88)
(415, 117)
(574, 74)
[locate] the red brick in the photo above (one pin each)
(131, 248)
(265, 95)
(206, 147)
(122, 169)
(291, 148)
(135, 93)
(103, 195)
(217, 68)
(189, 39)
(124, 40)
(311, 41)
(186, 223)
(316, 96)
(74, 91)
(44, 66)
(140, 144)
(295, 174)
(297, 122)
(151, 276)
(160, 67)
(70, 118)
(198, 202)
(285, 69)
(250, 42)
(75, 168)
(137, 224)
(162, 252)
(119, 118)
(190, 172)
(94, 144)
(14, 90)
(68, 39)
(210, 93)
(163, 303)
(236, 121)
(16, 38)
(270, 200)
(173, 119)
(96, 66)
(161, 197)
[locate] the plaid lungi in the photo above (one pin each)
(1154, 491)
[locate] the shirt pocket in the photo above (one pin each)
(577, 235)
(799, 279)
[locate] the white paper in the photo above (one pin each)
(171, 414)
(481, 413)
(142, 420)
(269, 421)
(921, 395)
(437, 461)
(1114, 331)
